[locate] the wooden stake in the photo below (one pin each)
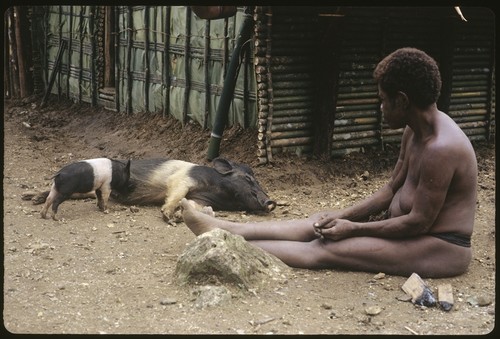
(445, 296)
(57, 65)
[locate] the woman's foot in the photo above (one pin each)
(198, 220)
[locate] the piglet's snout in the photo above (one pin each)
(270, 205)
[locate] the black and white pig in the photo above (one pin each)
(100, 175)
(225, 186)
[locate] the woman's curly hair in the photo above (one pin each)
(411, 71)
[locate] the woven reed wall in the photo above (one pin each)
(165, 60)
(306, 77)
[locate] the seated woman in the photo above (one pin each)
(430, 198)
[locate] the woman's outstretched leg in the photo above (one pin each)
(296, 230)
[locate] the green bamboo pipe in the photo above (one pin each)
(228, 89)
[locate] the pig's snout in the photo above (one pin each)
(269, 205)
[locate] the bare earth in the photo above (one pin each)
(113, 273)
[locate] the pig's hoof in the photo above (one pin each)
(167, 217)
(172, 218)
(106, 211)
(177, 216)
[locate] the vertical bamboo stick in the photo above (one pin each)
(35, 33)
(154, 32)
(246, 49)
(269, 16)
(80, 65)
(23, 50)
(146, 58)
(60, 39)
(206, 61)
(129, 56)
(246, 95)
(166, 61)
(13, 47)
(45, 61)
(225, 48)
(7, 90)
(260, 33)
(99, 47)
(490, 128)
(93, 55)
(187, 68)
(116, 55)
(109, 48)
(70, 46)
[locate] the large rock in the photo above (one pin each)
(219, 257)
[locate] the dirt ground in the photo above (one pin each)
(113, 273)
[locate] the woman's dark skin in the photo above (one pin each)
(432, 190)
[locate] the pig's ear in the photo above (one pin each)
(127, 166)
(222, 166)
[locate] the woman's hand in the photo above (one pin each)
(333, 228)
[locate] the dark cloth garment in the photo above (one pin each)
(453, 238)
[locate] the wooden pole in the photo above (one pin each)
(59, 89)
(57, 65)
(109, 64)
(23, 50)
(6, 57)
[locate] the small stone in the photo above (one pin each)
(483, 300)
(472, 301)
(365, 175)
(28, 195)
(379, 276)
(404, 298)
(168, 301)
(326, 306)
(373, 310)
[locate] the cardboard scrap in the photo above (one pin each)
(420, 293)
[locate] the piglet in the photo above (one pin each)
(100, 175)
